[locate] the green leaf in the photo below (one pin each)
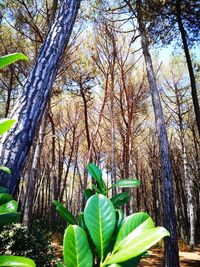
(135, 246)
(133, 225)
(77, 252)
(127, 183)
(100, 219)
(81, 221)
(94, 187)
(10, 217)
(5, 169)
(88, 193)
(10, 206)
(4, 198)
(3, 190)
(96, 174)
(120, 218)
(64, 213)
(14, 261)
(120, 199)
(133, 262)
(5, 125)
(9, 59)
(58, 264)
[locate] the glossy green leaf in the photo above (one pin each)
(120, 218)
(100, 219)
(10, 217)
(96, 189)
(9, 59)
(76, 249)
(58, 264)
(5, 125)
(135, 246)
(3, 190)
(96, 174)
(120, 199)
(4, 198)
(81, 221)
(16, 261)
(127, 183)
(10, 206)
(64, 213)
(133, 225)
(132, 262)
(132, 222)
(88, 193)
(5, 169)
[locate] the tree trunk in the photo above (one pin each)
(112, 109)
(15, 145)
(9, 91)
(53, 170)
(188, 181)
(171, 244)
(85, 105)
(28, 208)
(189, 64)
(113, 141)
(190, 196)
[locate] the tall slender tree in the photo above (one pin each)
(171, 244)
(182, 30)
(31, 105)
(167, 21)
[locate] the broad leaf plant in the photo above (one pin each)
(101, 236)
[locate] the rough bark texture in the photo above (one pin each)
(171, 244)
(31, 105)
(189, 64)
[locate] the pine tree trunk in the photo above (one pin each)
(113, 137)
(189, 64)
(171, 244)
(30, 192)
(15, 145)
(188, 181)
(113, 162)
(190, 197)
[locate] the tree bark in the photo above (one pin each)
(15, 145)
(112, 67)
(85, 105)
(188, 181)
(189, 64)
(9, 91)
(113, 138)
(28, 208)
(171, 244)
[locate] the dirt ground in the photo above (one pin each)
(187, 259)
(155, 258)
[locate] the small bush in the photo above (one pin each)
(34, 242)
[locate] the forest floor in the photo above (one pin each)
(187, 258)
(155, 258)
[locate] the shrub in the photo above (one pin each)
(101, 236)
(33, 242)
